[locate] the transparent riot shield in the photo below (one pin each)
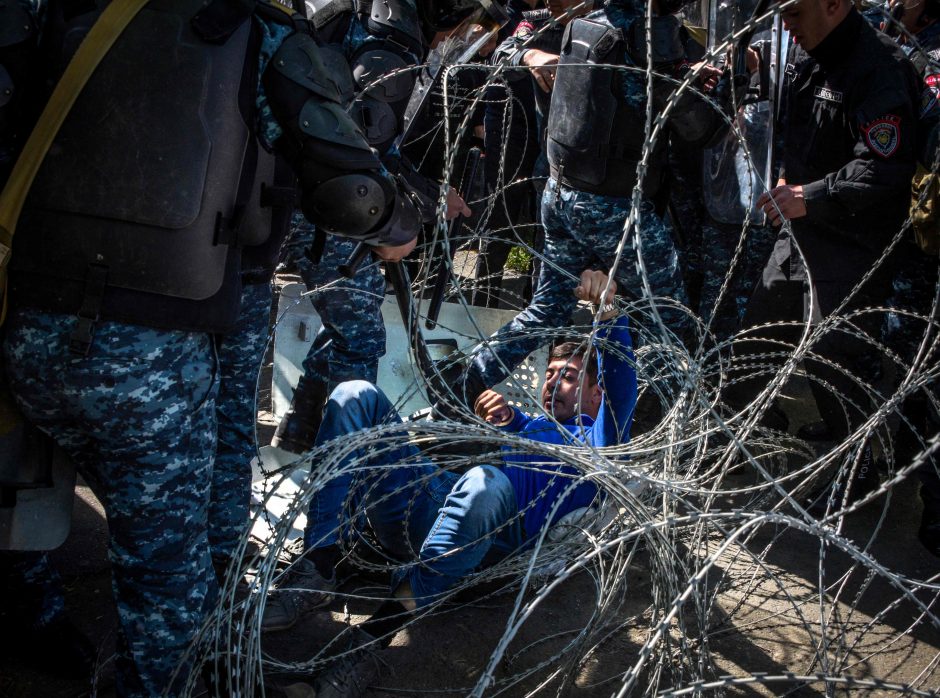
(738, 169)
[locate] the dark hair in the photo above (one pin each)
(565, 350)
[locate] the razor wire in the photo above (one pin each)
(703, 569)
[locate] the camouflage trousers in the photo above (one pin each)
(137, 415)
(351, 339)
(583, 231)
(30, 588)
(240, 355)
(718, 245)
(912, 289)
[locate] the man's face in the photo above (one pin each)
(560, 390)
(808, 22)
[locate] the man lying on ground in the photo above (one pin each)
(451, 523)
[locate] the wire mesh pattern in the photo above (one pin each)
(726, 557)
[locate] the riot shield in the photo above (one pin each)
(738, 168)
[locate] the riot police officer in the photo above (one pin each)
(32, 599)
(351, 338)
(915, 279)
(847, 150)
(595, 140)
(128, 263)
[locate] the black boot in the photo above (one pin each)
(915, 428)
(815, 431)
(58, 648)
(298, 429)
(929, 531)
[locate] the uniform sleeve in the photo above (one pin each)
(510, 54)
(885, 131)
(617, 376)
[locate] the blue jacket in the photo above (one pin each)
(538, 482)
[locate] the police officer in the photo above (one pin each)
(352, 334)
(535, 44)
(595, 140)
(847, 150)
(127, 264)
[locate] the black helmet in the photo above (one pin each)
(440, 15)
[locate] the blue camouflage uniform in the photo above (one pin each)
(137, 415)
(352, 337)
(240, 355)
(732, 187)
(30, 587)
(136, 409)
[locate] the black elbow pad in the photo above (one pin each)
(352, 204)
(364, 206)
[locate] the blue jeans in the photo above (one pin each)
(440, 524)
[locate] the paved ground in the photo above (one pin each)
(752, 627)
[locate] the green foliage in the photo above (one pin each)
(519, 260)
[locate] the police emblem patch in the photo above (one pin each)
(883, 135)
(524, 28)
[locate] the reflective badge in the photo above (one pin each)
(884, 135)
(828, 95)
(524, 28)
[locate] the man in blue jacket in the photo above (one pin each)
(443, 525)
(451, 522)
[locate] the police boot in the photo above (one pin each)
(297, 431)
(57, 648)
(917, 425)
(929, 531)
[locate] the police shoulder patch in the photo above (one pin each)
(930, 98)
(883, 136)
(524, 28)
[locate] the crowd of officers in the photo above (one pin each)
(139, 287)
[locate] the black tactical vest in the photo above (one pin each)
(149, 191)
(595, 138)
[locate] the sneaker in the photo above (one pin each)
(300, 590)
(354, 670)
